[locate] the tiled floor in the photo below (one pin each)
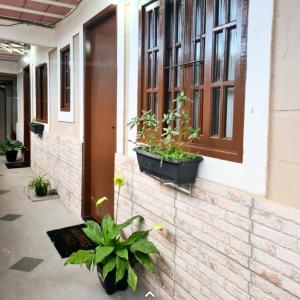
(30, 267)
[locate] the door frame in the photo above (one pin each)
(108, 12)
(28, 104)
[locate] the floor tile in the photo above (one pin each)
(26, 264)
(10, 217)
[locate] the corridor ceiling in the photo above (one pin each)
(12, 51)
(39, 12)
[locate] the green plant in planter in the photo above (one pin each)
(114, 254)
(40, 184)
(10, 149)
(166, 138)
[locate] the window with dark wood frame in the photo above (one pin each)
(65, 79)
(41, 93)
(198, 47)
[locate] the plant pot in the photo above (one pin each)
(11, 156)
(41, 191)
(178, 172)
(36, 128)
(109, 283)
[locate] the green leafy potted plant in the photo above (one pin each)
(40, 184)
(36, 128)
(115, 256)
(11, 149)
(161, 144)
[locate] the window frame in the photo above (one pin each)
(223, 148)
(65, 105)
(41, 92)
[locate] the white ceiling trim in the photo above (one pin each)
(51, 2)
(30, 11)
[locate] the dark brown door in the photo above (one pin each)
(100, 114)
(27, 115)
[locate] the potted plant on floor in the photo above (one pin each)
(11, 149)
(40, 184)
(36, 128)
(161, 144)
(114, 256)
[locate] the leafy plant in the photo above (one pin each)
(168, 136)
(114, 253)
(7, 145)
(39, 182)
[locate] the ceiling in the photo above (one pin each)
(39, 12)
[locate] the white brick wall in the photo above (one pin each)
(60, 158)
(220, 243)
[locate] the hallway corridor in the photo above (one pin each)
(23, 226)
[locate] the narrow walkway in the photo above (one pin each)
(25, 236)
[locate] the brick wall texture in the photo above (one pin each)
(60, 159)
(219, 243)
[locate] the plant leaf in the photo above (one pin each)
(108, 267)
(123, 253)
(93, 231)
(131, 278)
(80, 257)
(118, 228)
(144, 246)
(107, 226)
(121, 268)
(102, 252)
(145, 260)
(136, 236)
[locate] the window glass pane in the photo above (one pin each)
(196, 110)
(155, 70)
(232, 40)
(179, 21)
(219, 12)
(156, 105)
(218, 57)
(169, 101)
(149, 69)
(229, 112)
(215, 111)
(149, 102)
(197, 50)
(176, 103)
(199, 22)
(177, 82)
(170, 22)
(150, 29)
(156, 26)
(232, 10)
(196, 74)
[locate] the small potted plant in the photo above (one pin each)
(40, 184)
(161, 144)
(11, 149)
(36, 127)
(115, 256)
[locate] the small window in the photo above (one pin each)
(65, 78)
(41, 93)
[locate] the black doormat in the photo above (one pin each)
(70, 239)
(17, 164)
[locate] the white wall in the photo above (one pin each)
(8, 67)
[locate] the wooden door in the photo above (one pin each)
(27, 114)
(100, 114)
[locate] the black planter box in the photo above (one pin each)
(17, 164)
(11, 156)
(178, 172)
(109, 283)
(41, 191)
(36, 128)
